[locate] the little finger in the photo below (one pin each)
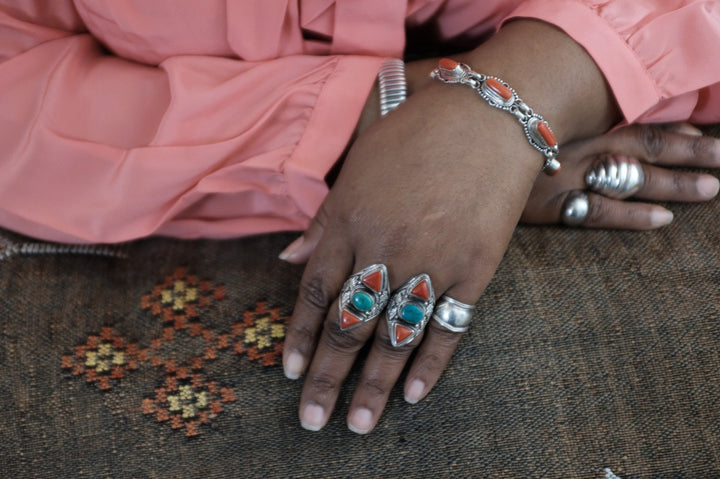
(578, 208)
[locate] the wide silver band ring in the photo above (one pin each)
(453, 315)
(575, 208)
(615, 176)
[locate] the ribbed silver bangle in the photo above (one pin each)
(392, 85)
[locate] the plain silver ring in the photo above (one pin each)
(616, 177)
(453, 315)
(575, 208)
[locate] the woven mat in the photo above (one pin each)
(593, 355)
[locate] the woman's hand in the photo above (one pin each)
(436, 187)
(418, 196)
(656, 148)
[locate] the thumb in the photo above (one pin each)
(300, 250)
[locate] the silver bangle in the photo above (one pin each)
(499, 95)
(392, 85)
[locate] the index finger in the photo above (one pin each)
(323, 277)
(661, 146)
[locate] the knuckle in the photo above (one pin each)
(301, 332)
(653, 141)
(678, 185)
(375, 387)
(345, 342)
(323, 215)
(702, 148)
(597, 211)
(431, 363)
(444, 337)
(322, 383)
(315, 293)
(385, 347)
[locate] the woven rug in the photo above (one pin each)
(594, 354)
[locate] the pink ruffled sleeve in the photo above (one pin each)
(96, 148)
(658, 56)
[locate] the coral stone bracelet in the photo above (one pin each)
(499, 94)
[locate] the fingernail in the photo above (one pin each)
(415, 391)
(312, 417)
(293, 366)
(360, 421)
(708, 186)
(292, 249)
(688, 129)
(660, 217)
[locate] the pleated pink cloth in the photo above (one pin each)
(121, 119)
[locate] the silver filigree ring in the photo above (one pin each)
(363, 296)
(410, 309)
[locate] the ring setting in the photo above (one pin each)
(363, 296)
(409, 310)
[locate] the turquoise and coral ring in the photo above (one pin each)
(409, 310)
(364, 296)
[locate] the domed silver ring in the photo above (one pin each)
(615, 176)
(453, 315)
(575, 208)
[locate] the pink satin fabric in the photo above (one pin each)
(126, 118)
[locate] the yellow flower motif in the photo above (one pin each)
(91, 359)
(179, 295)
(202, 400)
(103, 366)
(191, 295)
(263, 333)
(167, 296)
(105, 349)
(174, 403)
(118, 358)
(186, 393)
(188, 411)
(278, 331)
(179, 303)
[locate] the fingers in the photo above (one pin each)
(382, 369)
(664, 146)
(669, 185)
(437, 348)
(319, 286)
(335, 354)
(385, 363)
(299, 251)
(609, 213)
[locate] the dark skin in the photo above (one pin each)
(435, 187)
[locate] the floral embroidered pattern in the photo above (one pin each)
(261, 335)
(103, 358)
(185, 399)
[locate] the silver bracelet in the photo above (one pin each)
(499, 94)
(392, 85)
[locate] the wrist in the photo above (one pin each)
(553, 74)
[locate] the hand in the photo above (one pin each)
(436, 187)
(406, 197)
(657, 148)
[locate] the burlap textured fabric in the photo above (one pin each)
(591, 352)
